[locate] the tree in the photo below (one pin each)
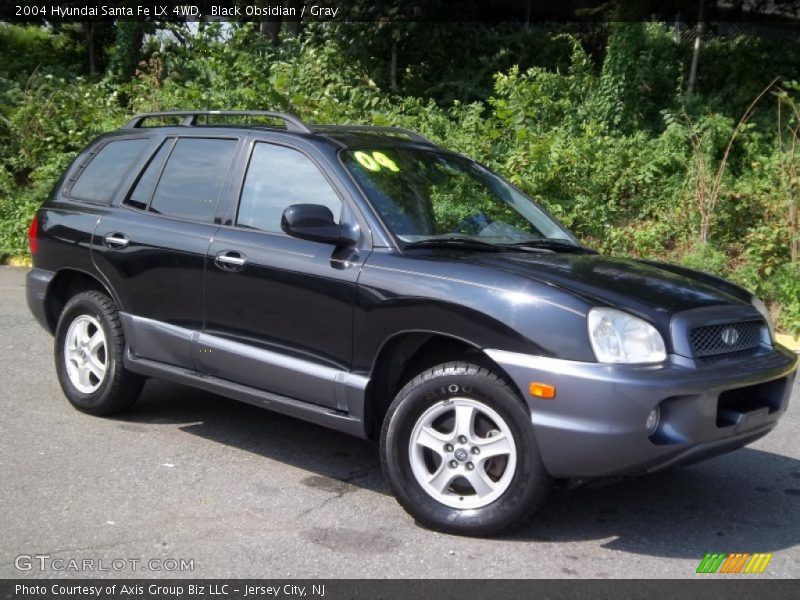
(129, 38)
(271, 26)
(698, 40)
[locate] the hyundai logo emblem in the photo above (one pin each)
(729, 336)
(461, 454)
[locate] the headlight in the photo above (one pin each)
(618, 337)
(759, 305)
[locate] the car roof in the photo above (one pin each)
(345, 136)
(358, 136)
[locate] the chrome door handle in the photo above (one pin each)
(230, 260)
(116, 240)
(236, 261)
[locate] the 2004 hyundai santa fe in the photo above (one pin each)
(367, 280)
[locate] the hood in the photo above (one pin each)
(653, 291)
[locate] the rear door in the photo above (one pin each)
(279, 310)
(151, 244)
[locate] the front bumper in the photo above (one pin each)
(595, 426)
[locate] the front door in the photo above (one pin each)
(279, 310)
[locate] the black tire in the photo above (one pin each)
(529, 485)
(119, 389)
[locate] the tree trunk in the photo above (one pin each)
(294, 25)
(698, 40)
(271, 26)
(91, 42)
(393, 69)
(271, 29)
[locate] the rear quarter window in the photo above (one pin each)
(97, 181)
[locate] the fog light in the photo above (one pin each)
(653, 420)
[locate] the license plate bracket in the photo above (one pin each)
(743, 421)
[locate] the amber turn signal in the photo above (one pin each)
(542, 390)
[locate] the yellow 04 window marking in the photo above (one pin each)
(366, 161)
(385, 161)
(376, 161)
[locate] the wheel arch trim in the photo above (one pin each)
(373, 406)
(41, 285)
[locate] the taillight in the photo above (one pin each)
(33, 233)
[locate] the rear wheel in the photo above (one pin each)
(88, 350)
(458, 450)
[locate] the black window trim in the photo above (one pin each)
(173, 140)
(72, 179)
(225, 181)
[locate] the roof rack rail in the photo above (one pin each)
(293, 123)
(412, 135)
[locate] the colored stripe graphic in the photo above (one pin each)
(758, 563)
(734, 562)
(710, 563)
(731, 558)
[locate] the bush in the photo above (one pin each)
(706, 258)
(785, 295)
(606, 144)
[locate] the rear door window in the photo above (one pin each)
(98, 180)
(191, 181)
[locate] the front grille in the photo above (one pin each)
(731, 356)
(712, 340)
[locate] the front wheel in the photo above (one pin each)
(458, 450)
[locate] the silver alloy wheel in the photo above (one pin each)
(85, 354)
(462, 453)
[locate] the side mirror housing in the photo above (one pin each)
(315, 222)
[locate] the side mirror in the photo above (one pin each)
(315, 222)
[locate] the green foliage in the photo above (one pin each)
(785, 293)
(605, 140)
(127, 50)
(743, 65)
(704, 257)
(55, 118)
(27, 50)
(618, 90)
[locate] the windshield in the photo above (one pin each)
(425, 195)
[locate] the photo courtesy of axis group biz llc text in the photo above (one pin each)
(377, 299)
(168, 589)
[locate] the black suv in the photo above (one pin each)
(367, 280)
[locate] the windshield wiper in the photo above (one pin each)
(454, 242)
(551, 244)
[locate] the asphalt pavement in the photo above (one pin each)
(235, 491)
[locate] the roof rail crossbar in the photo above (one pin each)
(412, 135)
(292, 122)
